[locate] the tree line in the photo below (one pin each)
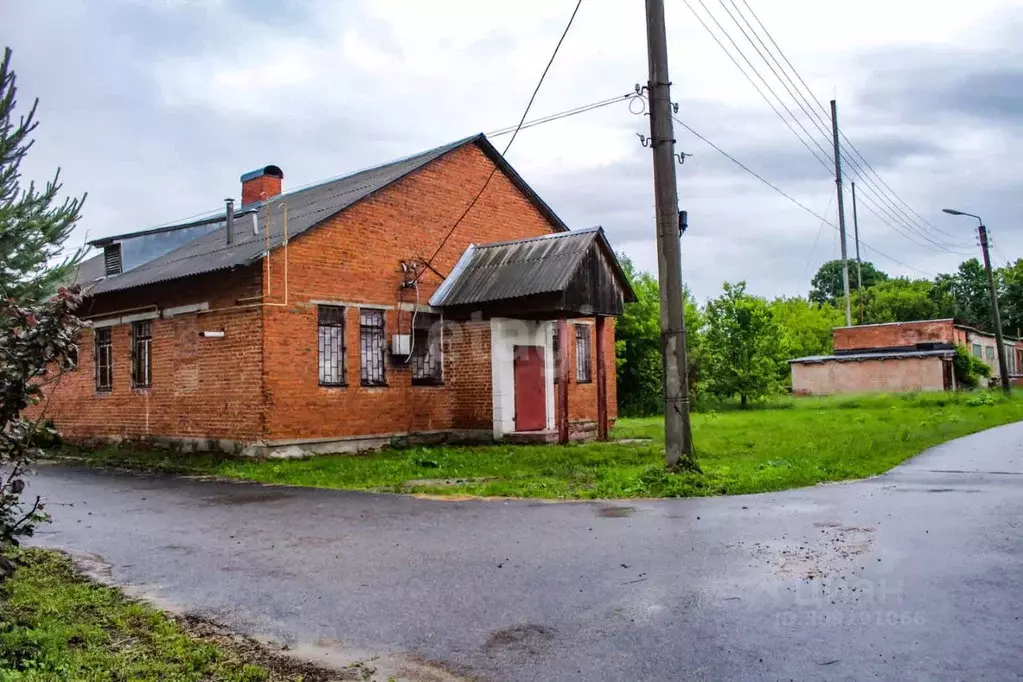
(739, 344)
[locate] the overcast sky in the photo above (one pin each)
(155, 108)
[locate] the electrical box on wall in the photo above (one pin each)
(401, 344)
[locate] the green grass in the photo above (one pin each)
(782, 444)
(56, 625)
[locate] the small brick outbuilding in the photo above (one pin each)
(301, 323)
(897, 357)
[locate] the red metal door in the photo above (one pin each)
(530, 389)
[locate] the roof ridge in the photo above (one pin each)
(552, 235)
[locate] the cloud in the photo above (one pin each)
(156, 108)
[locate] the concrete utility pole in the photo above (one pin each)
(841, 212)
(859, 267)
(678, 442)
(1003, 366)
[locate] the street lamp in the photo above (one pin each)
(982, 232)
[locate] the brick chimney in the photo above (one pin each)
(260, 184)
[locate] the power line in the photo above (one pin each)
(522, 120)
(818, 124)
(868, 194)
(771, 104)
(820, 105)
(795, 201)
(806, 268)
(994, 245)
(550, 118)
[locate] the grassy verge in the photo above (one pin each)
(57, 626)
(786, 444)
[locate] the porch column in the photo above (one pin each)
(562, 371)
(601, 380)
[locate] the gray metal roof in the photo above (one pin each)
(306, 208)
(88, 271)
(523, 267)
(885, 355)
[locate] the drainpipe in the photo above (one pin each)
(230, 219)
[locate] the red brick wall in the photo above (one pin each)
(201, 387)
(468, 371)
(893, 335)
(355, 258)
(582, 397)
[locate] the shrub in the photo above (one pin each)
(969, 369)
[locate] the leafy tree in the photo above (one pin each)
(943, 295)
(638, 347)
(33, 226)
(805, 327)
(901, 300)
(1010, 298)
(973, 301)
(35, 343)
(743, 349)
(696, 348)
(827, 287)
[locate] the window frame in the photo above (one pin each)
(978, 351)
(103, 344)
(989, 353)
(367, 333)
(583, 358)
(338, 323)
(428, 333)
(144, 341)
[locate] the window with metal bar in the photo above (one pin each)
(332, 345)
(583, 367)
(104, 360)
(427, 362)
(372, 346)
(141, 354)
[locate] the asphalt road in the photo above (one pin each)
(912, 575)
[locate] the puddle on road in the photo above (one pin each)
(615, 512)
(247, 497)
(529, 639)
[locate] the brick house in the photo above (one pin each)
(313, 321)
(898, 356)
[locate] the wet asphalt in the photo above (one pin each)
(912, 575)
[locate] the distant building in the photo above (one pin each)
(898, 356)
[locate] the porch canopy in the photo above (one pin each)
(561, 275)
(555, 277)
